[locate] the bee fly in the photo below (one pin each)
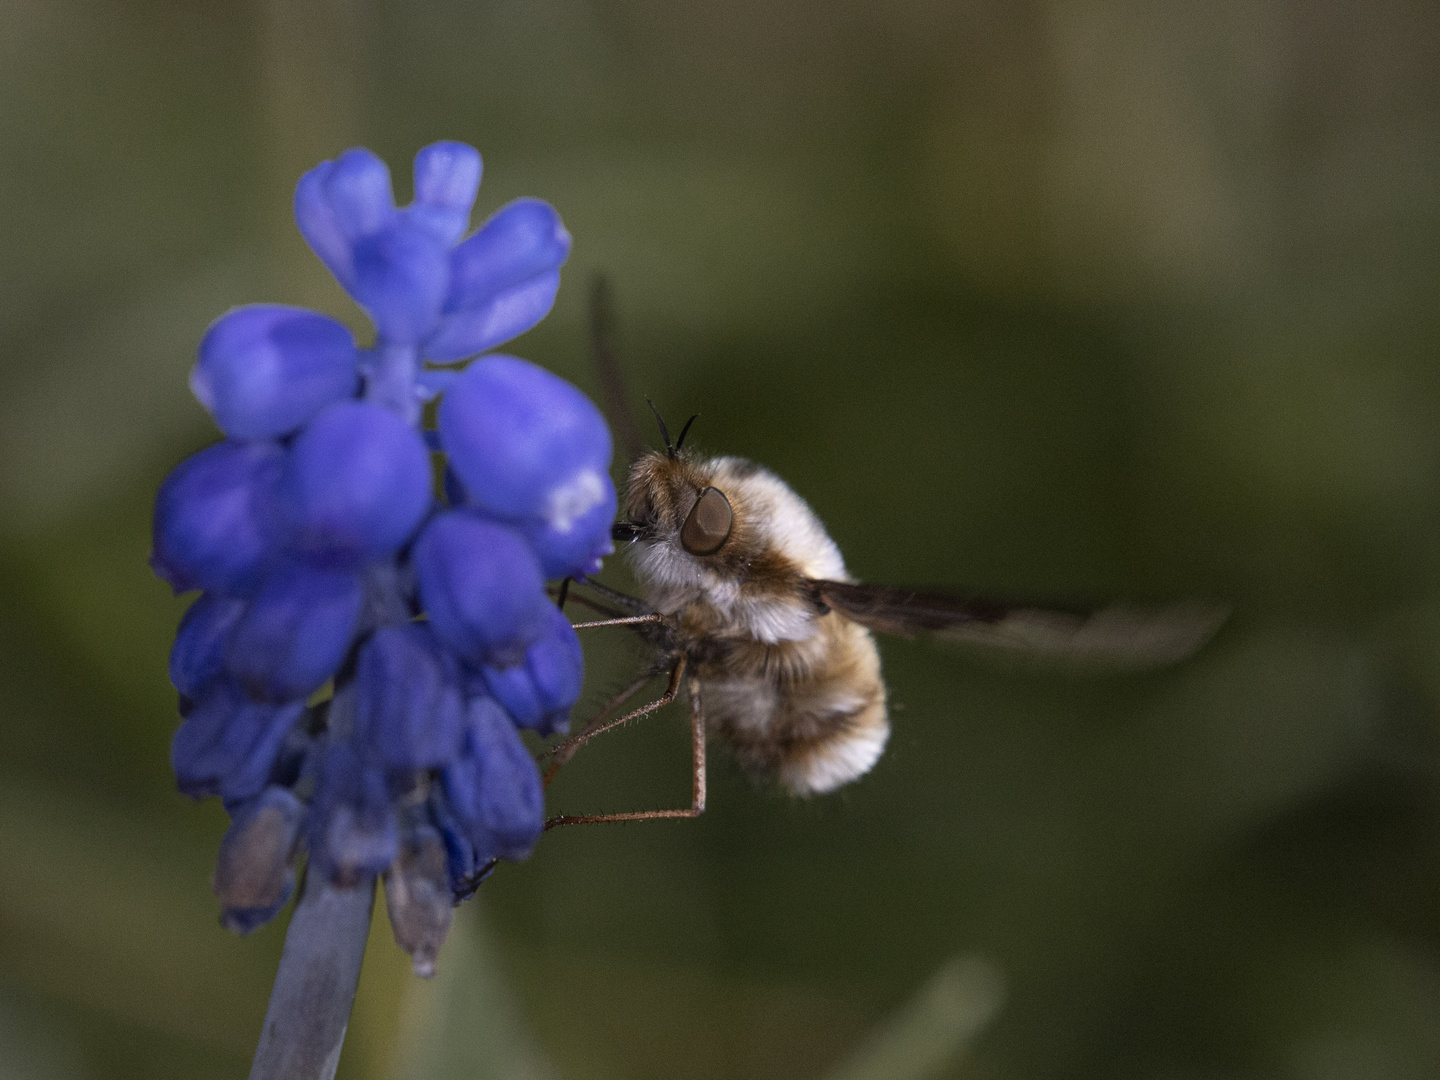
(748, 600)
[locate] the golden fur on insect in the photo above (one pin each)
(792, 687)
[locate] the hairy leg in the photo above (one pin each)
(563, 751)
(697, 783)
(615, 596)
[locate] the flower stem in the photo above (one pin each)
(391, 382)
(315, 985)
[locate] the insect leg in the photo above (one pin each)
(630, 620)
(593, 605)
(469, 885)
(697, 784)
(563, 751)
(591, 725)
(625, 600)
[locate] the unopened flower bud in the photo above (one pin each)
(356, 484)
(494, 786)
(295, 632)
(418, 898)
(524, 442)
(407, 699)
(198, 655)
(266, 369)
(503, 280)
(539, 692)
(214, 519)
(481, 585)
(253, 875)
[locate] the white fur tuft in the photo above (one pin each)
(837, 761)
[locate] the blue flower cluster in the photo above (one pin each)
(328, 553)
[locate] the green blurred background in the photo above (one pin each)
(1131, 298)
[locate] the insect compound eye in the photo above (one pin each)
(708, 525)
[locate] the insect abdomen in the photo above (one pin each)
(812, 714)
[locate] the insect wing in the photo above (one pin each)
(1119, 635)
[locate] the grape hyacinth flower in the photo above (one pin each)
(326, 559)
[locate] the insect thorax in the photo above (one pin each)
(755, 585)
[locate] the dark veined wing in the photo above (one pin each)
(1117, 635)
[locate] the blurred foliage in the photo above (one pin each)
(1119, 297)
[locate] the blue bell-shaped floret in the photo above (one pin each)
(577, 548)
(295, 632)
(353, 833)
(447, 176)
(198, 655)
(340, 202)
(503, 280)
(525, 443)
(267, 369)
(465, 866)
(481, 585)
(228, 744)
(215, 524)
(408, 708)
(540, 692)
(254, 875)
(494, 785)
(356, 485)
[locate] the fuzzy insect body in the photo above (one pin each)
(745, 596)
(793, 687)
(758, 609)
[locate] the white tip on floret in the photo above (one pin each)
(568, 502)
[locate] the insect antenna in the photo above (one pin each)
(685, 431)
(664, 431)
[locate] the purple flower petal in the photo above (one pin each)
(515, 690)
(540, 692)
(408, 707)
(495, 787)
(320, 226)
(198, 655)
(557, 666)
(462, 860)
(522, 240)
(401, 275)
(340, 202)
(215, 525)
(503, 280)
(227, 741)
(481, 586)
(255, 767)
(353, 830)
(508, 315)
(295, 632)
(357, 483)
(359, 192)
(525, 443)
(447, 176)
(266, 369)
(575, 551)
